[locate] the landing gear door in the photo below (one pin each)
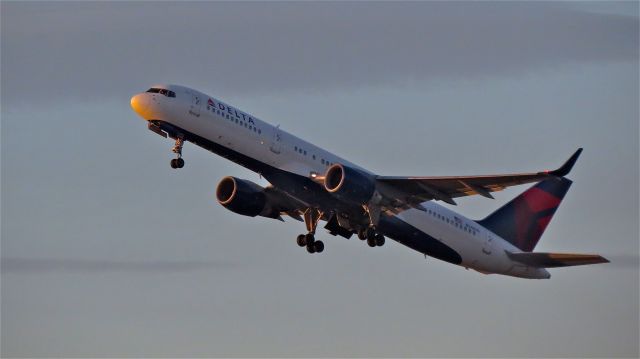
(276, 141)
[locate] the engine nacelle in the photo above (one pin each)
(349, 184)
(244, 197)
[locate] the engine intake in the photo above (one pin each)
(349, 184)
(244, 197)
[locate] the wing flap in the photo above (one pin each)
(554, 260)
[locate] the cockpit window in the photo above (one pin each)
(164, 92)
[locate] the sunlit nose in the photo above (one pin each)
(139, 104)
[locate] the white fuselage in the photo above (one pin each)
(223, 124)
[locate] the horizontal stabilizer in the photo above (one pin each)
(554, 260)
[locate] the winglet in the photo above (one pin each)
(567, 166)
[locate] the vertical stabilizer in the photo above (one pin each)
(523, 220)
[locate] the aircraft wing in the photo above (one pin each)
(408, 192)
(283, 203)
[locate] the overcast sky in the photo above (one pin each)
(107, 251)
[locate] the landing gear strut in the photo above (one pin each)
(311, 218)
(177, 149)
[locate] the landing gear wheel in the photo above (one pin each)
(311, 248)
(301, 240)
(379, 240)
(371, 232)
(310, 242)
(177, 163)
(318, 246)
(309, 239)
(362, 234)
(371, 242)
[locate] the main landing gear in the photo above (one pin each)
(311, 218)
(371, 235)
(177, 149)
(308, 240)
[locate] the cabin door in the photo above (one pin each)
(487, 246)
(195, 104)
(276, 141)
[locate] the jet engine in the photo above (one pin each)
(245, 198)
(349, 184)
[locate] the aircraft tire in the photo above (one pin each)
(379, 240)
(371, 233)
(371, 242)
(301, 240)
(309, 239)
(318, 246)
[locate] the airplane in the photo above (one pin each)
(310, 184)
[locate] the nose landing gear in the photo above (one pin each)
(177, 163)
(177, 149)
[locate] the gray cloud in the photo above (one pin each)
(623, 261)
(170, 273)
(53, 265)
(62, 49)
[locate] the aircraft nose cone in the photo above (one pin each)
(139, 104)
